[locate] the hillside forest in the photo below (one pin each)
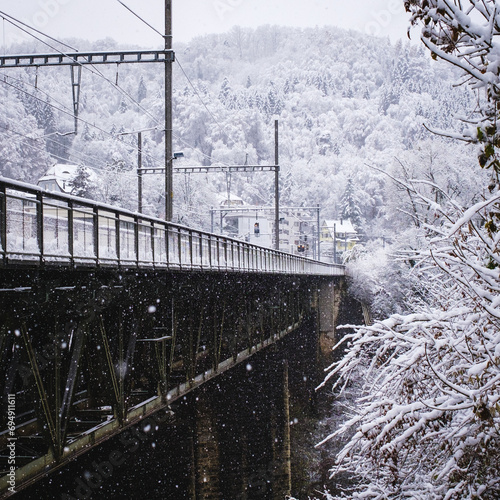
(350, 107)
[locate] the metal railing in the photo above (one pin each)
(41, 227)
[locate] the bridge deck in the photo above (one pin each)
(108, 316)
(45, 228)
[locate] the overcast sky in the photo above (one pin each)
(97, 19)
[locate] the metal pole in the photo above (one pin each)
(276, 189)
(139, 172)
(168, 115)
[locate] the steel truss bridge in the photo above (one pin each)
(108, 316)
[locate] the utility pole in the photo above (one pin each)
(139, 172)
(168, 115)
(276, 188)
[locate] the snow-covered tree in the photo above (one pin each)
(349, 205)
(82, 184)
(427, 424)
(466, 34)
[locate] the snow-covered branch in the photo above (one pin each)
(431, 378)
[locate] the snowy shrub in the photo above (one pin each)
(427, 425)
(381, 276)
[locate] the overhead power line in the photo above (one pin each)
(141, 19)
(10, 19)
(25, 137)
(77, 63)
(199, 96)
(97, 72)
(187, 78)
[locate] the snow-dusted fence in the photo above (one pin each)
(42, 227)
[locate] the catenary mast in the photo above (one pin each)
(168, 115)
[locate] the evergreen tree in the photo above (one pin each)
(225, 91)
(81, 184)
(349, 207)
(123, 106)
(142, 92)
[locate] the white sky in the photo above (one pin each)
(97, 19)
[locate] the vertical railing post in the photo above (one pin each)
(3, 219)
(152, 232)
(166, 233)
(191, 249)
(71, 240)
(136, 240)
(179, 246)
(210, 251)
(200, 249)
(218, 252)
(39, 223)
(117, 237)
(96, 233)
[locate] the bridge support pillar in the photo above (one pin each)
(326, 306)
(206, 449)
(280, 433)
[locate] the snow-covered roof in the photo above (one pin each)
(340, 225)
(233, 199)
(63, 174)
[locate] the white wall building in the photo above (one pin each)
(58, 178)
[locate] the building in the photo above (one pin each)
(298, 228)
(59, 178)
(337, 237)
(229, 200)
(298, 232)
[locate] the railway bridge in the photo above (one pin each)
(108, 317)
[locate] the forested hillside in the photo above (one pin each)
(344, 101)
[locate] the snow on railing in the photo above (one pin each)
(42, 227)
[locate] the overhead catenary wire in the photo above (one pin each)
(185, 75)
(221, 127)
(69, 112)
(10, 19)
(113, 136)
(199, 96)
(96, 71)
(141, 19)
(25, 138)
(63, 109)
